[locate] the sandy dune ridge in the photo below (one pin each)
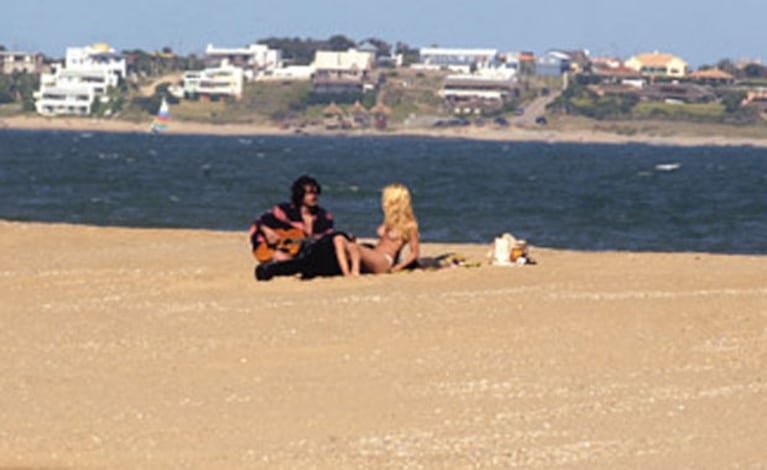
(138, 348)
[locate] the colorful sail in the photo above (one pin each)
(160, 122)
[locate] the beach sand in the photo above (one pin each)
(509, 134)
(138, 348)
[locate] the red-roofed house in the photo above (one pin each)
(712, 77)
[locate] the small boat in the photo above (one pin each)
(160, 122)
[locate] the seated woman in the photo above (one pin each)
(399, 228)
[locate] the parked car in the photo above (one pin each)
(518, 111)
(501, 121)
(541, 120)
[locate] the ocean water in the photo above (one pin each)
(575, 196)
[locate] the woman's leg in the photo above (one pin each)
(354, 254)
(372, 261)
(342, 247)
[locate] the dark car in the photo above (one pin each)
(541, 120)
(501, 121)
(518, 111)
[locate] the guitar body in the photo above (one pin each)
(290, 243)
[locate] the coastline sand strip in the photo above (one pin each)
(128, 348)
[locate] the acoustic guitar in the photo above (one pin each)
(290, 242)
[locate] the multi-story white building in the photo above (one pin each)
(342, 71)
(254, 59)
(86, 76)
(98, 57)
(214, 83)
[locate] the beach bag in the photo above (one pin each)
(509, 251)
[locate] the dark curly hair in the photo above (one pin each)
(298, 191)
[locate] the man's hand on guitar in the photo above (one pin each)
(287, 243)
(271, 236)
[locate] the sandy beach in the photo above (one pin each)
(138, 348)
(511, 134)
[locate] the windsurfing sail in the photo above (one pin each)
(160, 122)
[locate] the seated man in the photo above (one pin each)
(278, 235)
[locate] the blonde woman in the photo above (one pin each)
(399, 228)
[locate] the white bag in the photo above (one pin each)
(502, 250)
(508, 251)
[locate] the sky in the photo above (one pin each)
(699, 31)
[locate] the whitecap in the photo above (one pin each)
(668, 166)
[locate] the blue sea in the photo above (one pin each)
(574, 196)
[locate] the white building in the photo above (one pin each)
(214, 83)
(457, 60)
(99, 57)
(88, 74)
(342, 72)
(351, 63)
(486, 88)
(289, 73)
(254, 59)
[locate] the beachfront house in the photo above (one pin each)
(86, 76)
(552, 63)
(214, 83)
(342, 72)
(254, 60)
(477, 93)
(580, 59)
(713, 76)
(658, 65)
(21, 62)
(98, 57)
(619, 75)
(524, 60)
(756, 98)
(456, 60)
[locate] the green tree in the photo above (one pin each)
(383, 48)
(727, 66)
(732, 101)
(409, 55)
(340, 42)
(295, 50)
(755, 71)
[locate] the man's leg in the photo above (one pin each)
(266, 271)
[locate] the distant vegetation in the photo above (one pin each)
(579, 99)
(19, 88)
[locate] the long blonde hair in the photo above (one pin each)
(398, 210)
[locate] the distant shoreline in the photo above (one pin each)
(510, 134)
